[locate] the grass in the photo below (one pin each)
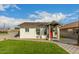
(29, 47)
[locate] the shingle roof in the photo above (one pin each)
(71, 25)
(33, 24)
(36, 24)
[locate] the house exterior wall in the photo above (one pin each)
(31, 33)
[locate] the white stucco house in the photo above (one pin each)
(40, 30)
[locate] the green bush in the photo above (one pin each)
(3, 32)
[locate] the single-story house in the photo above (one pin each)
(69, 30)
(40, 30)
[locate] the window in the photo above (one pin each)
(27, 30)
(45, 31)
(38, 31)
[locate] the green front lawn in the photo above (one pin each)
(29, 47)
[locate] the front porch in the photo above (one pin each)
(53, 31)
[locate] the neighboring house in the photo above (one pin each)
(69, 30)
(40, 30)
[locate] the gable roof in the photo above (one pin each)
(70, 25)
(33, 24)
(37, 24)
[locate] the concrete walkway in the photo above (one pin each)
(68, 46)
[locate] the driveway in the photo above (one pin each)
(69, 45)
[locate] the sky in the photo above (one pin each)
(14, 14)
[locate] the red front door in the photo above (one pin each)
(51, 34)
